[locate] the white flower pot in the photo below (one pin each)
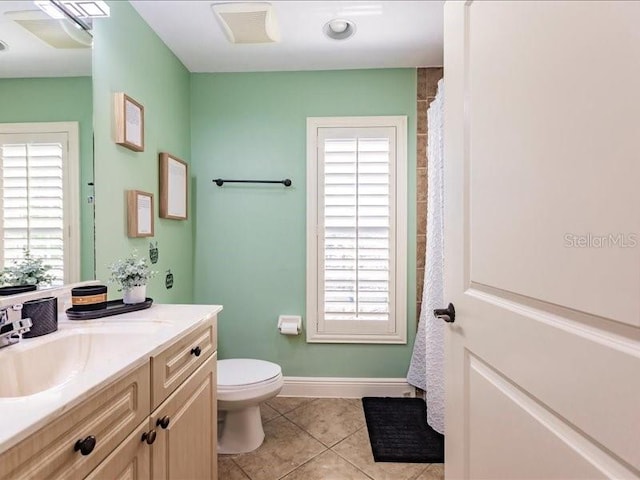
(135, 294)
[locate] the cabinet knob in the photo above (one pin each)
(196, 351)
(163, 422)
(86, 445)
(149, 437)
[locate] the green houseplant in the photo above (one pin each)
(131, 274)
(27, 271)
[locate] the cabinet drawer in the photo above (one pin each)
(172, 367)
(109, 415)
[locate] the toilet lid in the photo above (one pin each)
(235, 372)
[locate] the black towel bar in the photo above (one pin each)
(219, 181)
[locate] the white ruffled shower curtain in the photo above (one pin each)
(427, 363)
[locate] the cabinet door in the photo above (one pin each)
(130, 461)
(187, 447)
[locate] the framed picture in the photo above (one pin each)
(139, 214)
(174, 178)
(129, 122)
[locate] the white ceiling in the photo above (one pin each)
(28, 56)
(388, 34)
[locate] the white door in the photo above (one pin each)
(542, 239)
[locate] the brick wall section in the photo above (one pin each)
(427, 85)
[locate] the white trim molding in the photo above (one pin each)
(339, 387)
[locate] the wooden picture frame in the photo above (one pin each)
(140, 214)
(174, 187)
(129, 122)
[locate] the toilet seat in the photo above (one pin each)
(253, 386)
(242, 380)
(241, 373)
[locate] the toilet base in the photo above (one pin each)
(240, 431)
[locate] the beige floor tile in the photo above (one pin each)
(327, 466)
(286, 404)
(330, 420)
(357, 450)
(435, 471)
(267, 413)
(285, 448)
(356, 402)
(228, 470)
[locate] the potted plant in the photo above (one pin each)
(132, 275)
(25, 274)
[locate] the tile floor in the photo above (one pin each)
(317, 439)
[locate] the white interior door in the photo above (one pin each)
(542, 239)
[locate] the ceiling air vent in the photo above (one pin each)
(61, 33)
(248, 22)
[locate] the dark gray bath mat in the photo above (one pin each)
(398, 431)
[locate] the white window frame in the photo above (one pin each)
(396, 331)
(71, 192)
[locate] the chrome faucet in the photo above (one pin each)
(11, 330)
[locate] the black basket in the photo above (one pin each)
(89, 297)
(43, 313)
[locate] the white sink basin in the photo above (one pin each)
(35, 365)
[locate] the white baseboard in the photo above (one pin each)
(335, 387)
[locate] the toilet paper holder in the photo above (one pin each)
(287, 322)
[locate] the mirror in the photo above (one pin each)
(46, 142)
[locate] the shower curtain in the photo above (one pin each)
(427, 363)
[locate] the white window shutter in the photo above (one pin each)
(357, 228)
(32, 202)
(356, 241)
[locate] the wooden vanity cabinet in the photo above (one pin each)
(158, 422)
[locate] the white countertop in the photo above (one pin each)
(137, 336)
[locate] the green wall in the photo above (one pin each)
(250, 241)
(245, 247)
(64, 99)
(129, 57)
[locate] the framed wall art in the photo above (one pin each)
(174, 182)
(129, 122)
(139, 214)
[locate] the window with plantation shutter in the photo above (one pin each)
(35, 197)
(356, 272)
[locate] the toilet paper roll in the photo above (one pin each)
(289, 328)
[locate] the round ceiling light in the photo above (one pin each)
(339, 29)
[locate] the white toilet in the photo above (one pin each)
(243, 384)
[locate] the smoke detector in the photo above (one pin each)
(253, 22)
